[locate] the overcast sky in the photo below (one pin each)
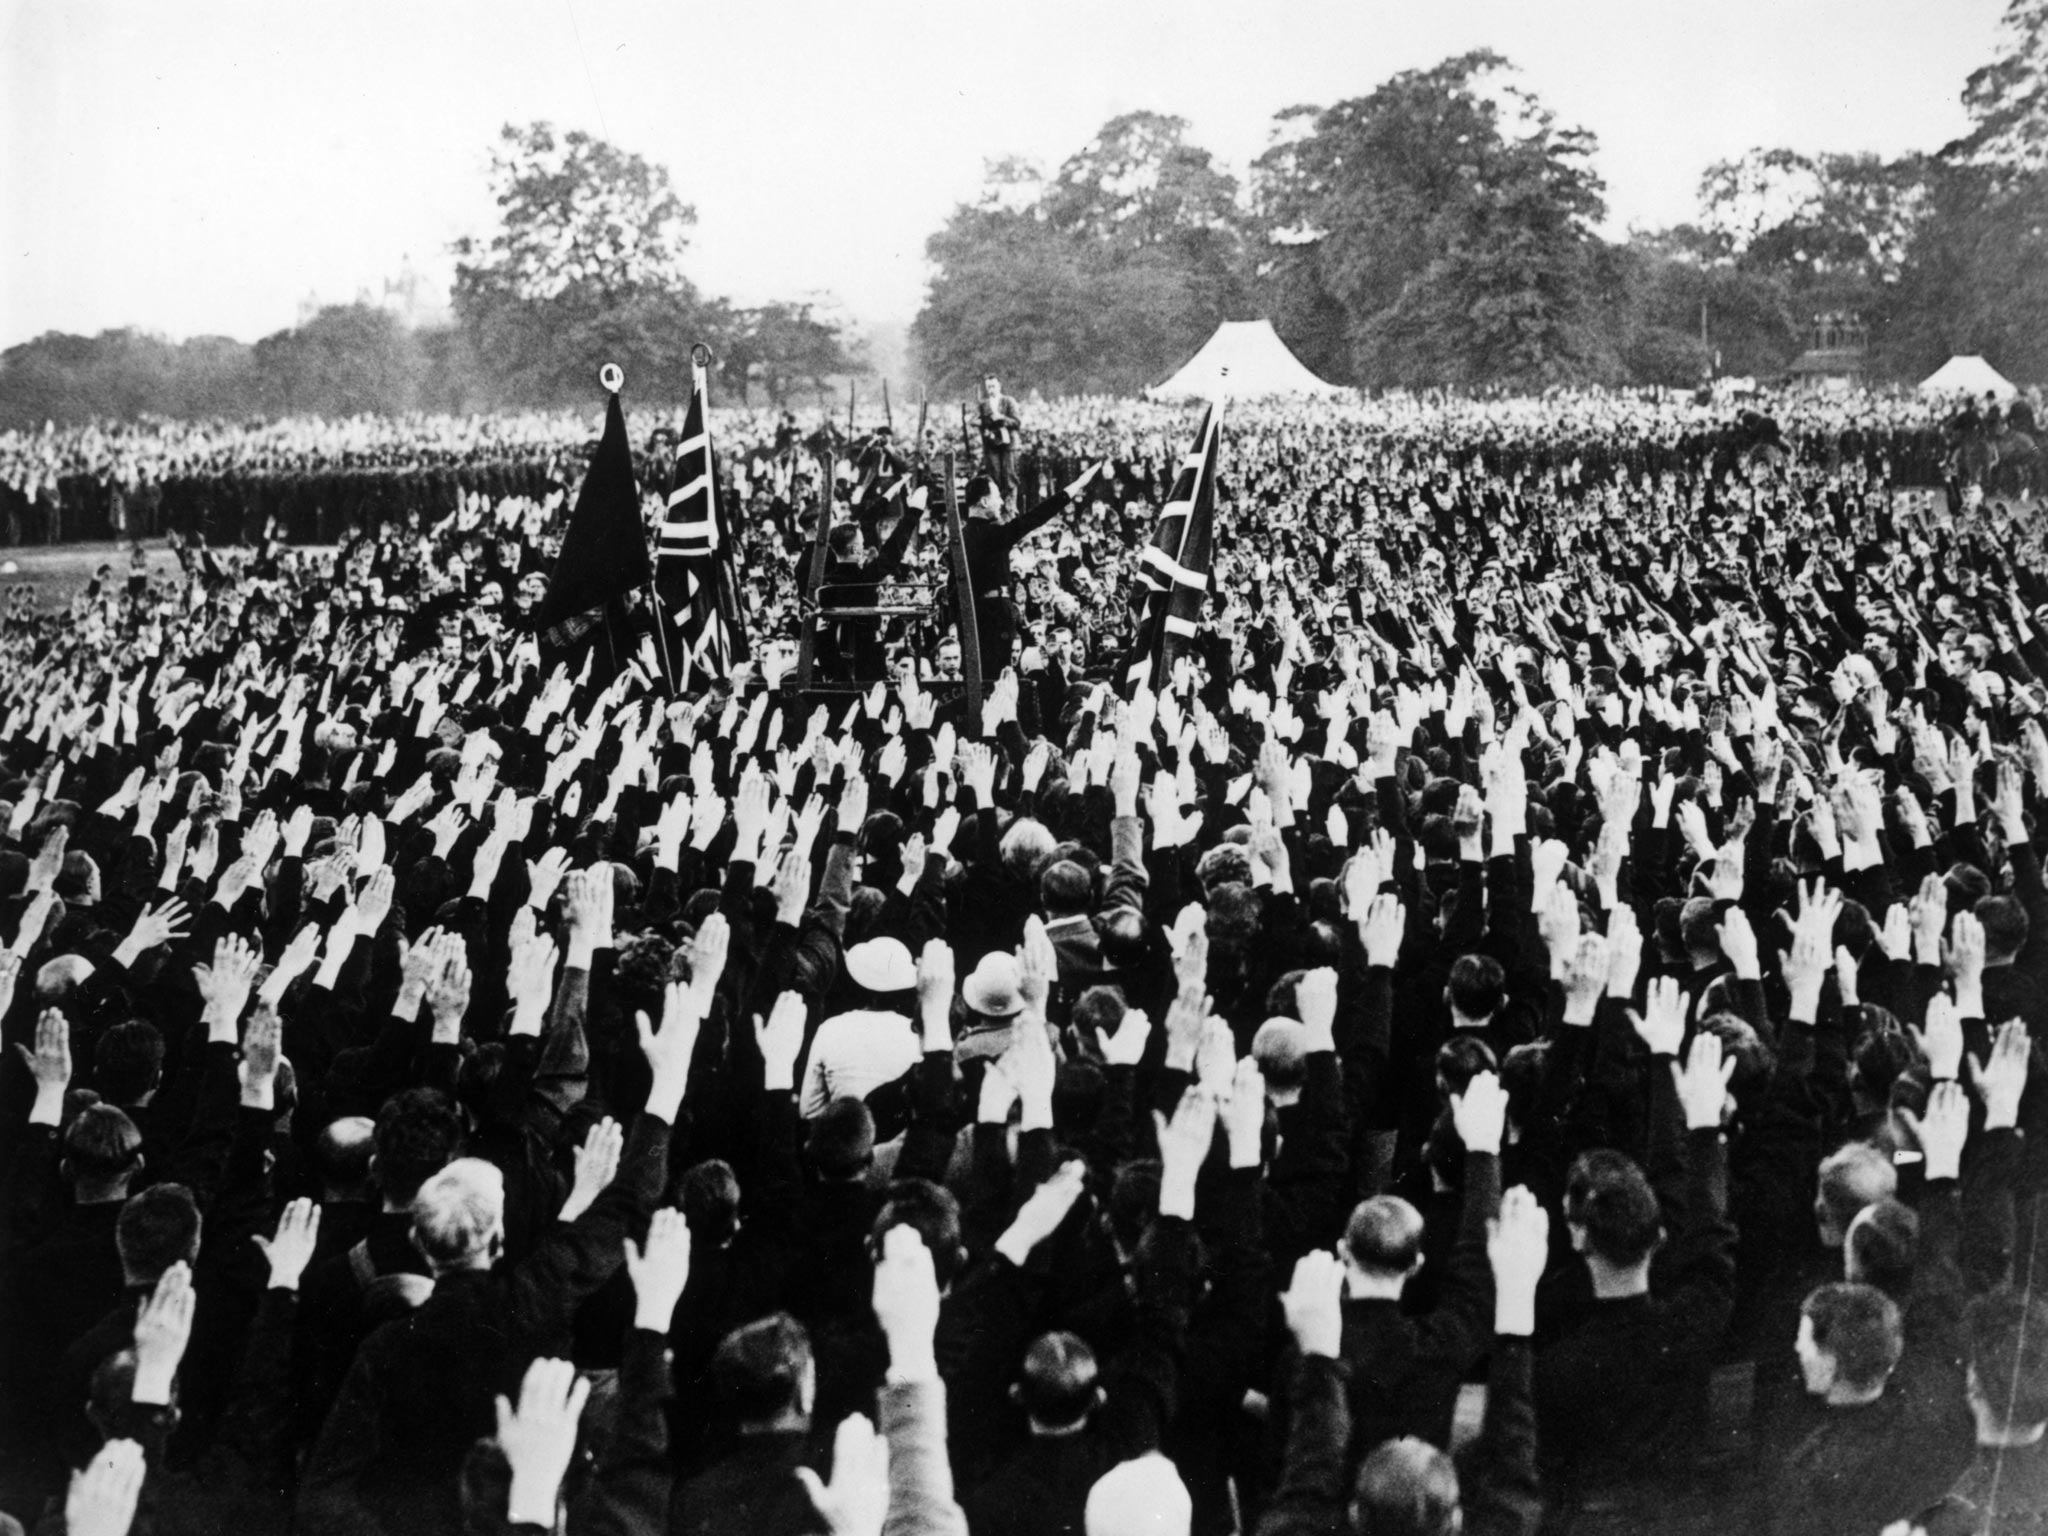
(197, 166)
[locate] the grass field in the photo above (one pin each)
(56, 572)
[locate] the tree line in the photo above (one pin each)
(1442, 230)
(588, 260)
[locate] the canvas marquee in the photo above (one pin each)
(1969, 375)
(1245, 359)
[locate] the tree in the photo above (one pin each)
(2007, 99)
(345, 361)
(1008, 293)
(1835, 228)
(1287, 185)
(784, 347)
(1104, 278)
(1676, 281)
(1450, 219)
(1139, 185)
(1782, 235)
(576, 214)
(1307, 316)
(124, 373)
(585, 267)
(1977, 277)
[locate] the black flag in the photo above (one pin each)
(604, 550)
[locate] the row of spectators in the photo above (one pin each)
(308, 478)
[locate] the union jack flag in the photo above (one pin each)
(694, 579)
(1173, 573)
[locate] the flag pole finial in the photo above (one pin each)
(612, 377)
(700, 355)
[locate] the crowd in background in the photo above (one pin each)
(310, 479)
(1530, 1029)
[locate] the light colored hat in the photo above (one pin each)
(882, 965)
(994, 989)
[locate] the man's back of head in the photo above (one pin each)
(128, 1062)
(1065, 889)
(458, 1217)
(1059, 1386)
(841, 1143)
(2005, 928)
(1612, 1210)
(343, 1153)
(156, 1229)
(933, 1212)
(418, 1132)
(1850, 1338)
(710, 1198)
(1851, 1177)
(1883, 1242)
(1477, 988)
(1383, 1239)
(102, 1153)
(1405, 1487)
(2008, 1377)
(764, 1375)
(61, 976)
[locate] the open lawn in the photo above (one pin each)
(57, 571)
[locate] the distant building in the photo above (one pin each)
(1837, 355)
(413, 298)
(417, 301)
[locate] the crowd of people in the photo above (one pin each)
(1529, 1029)
(310, 479)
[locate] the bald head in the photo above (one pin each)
(1384, 1236)
(344, 1152)
(60, 977)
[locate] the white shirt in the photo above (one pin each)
(855, 1053)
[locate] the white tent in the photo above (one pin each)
(1969, 375)
(1244, 358)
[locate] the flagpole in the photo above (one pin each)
(613, 378)
(963, 603)
(725, 568)
(1212, 452)
(807, 640)
(658, 617)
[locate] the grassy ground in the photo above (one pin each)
(56, 572)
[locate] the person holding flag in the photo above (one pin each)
(988, 541)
